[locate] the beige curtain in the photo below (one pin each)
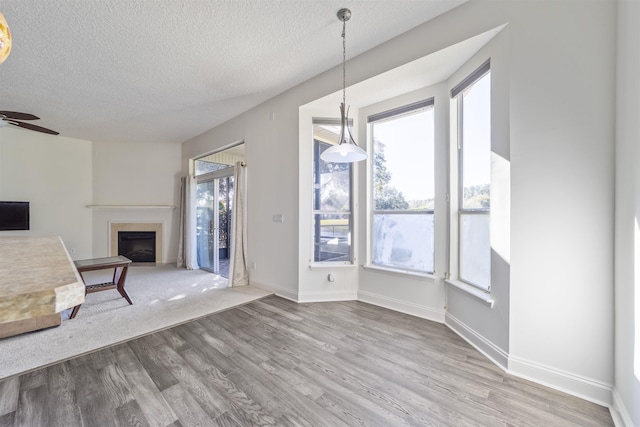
(238, 272)
(187, 243)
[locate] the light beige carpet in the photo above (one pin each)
(163, 296)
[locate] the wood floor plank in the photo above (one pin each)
(197, 337)
(422, 395)
(130, 415)
(34, 379)
(233, 340)
(88, 391)
(115, 385)
(378, 414)
(174, 340)
(101, 358)
(186, 407)
(213, 356)
(271, 348)
(210, 401)
(287, 314)
(8, 419)
(349, 412)
(146, 351)
(33, 407)
(151, 402)
(274, 362)
(226, 420)
(62, 387)
(296, 381)
(300, 408)
(241, 333)
(234, 319)
(288, 329)
(278, 400)
(301, 324)
(242, 407)
(9, 393)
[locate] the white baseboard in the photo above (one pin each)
(484, 346)
(413, 309)
(281, 292)
(325, 296)
(567, 382)
(619, 412)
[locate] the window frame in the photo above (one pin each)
(457, 97)
(315, 158)
(394, 113)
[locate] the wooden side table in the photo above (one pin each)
(120, 265)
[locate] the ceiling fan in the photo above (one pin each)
(13, 118)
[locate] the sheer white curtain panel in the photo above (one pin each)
(238, 271)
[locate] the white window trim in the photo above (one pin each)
(455, 172)
(332, 265)
(401, 273)
(484, 296)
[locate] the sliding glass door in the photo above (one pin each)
(206, 225)
(213, 202)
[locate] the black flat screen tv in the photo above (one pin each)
(14, 216)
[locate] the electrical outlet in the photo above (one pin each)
(278, 218)
(253, 265)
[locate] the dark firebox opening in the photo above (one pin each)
(138, 246)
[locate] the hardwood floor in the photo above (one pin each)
(276, 363)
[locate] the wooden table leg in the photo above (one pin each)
(119, 276)
(76, 309)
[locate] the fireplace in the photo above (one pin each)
(138, 246)
(140, 231)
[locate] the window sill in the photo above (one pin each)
(331, 266)
(401, 273)
(483, 296)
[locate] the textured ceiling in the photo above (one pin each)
(168, 70)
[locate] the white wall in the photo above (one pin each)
(53, 173)
(561, 107)
(138, 174)
(627, 271)
(270, 134)
(562, 140)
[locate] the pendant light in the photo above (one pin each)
(5, 39)
(346, 151)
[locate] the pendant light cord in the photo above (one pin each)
(344, 59)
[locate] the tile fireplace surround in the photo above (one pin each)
(114, 227)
